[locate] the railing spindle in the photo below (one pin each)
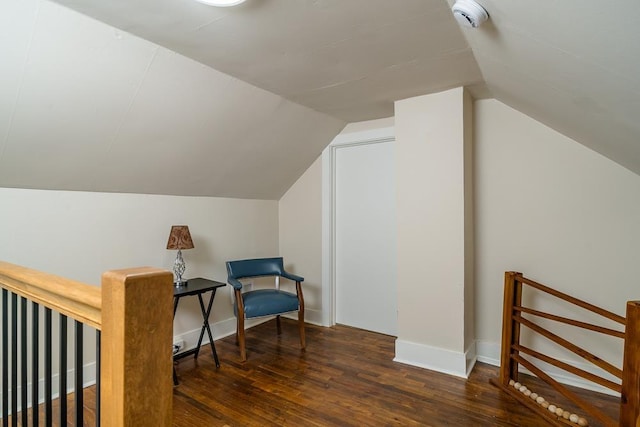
(35, 346)
(79, 393)
(23, 361)
(14, 359)
(98, 375)
(48, 395)
(5, 359)
(62, 390)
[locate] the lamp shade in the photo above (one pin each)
(180, 238)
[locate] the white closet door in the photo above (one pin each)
(365, 239)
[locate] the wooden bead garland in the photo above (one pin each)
(558, 411)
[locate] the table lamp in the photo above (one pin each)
(179, 239)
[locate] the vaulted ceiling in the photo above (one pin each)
(176, 97)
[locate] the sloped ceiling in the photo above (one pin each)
(176, 97)
(572, 64)
(347, 58)
(84, 106)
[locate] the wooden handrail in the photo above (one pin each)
(77, 300)
(572, 322)
(137, 333)
(588, 356)
(512, 352)
(569, 368)
(590, 307)
(591, 410)
(133, 311)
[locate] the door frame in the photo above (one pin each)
(373, 136)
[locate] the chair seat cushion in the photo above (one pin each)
(266, 302)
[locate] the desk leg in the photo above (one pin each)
(205, 326)
(175, 305)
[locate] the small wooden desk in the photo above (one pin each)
(197, 286)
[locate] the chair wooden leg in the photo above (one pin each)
(303, 343)
(237, 329)
(240, 328)
(240, 333)
(278, 325)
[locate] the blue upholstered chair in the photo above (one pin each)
(263, 302)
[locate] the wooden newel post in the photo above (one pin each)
(510, 329)
(630, 396)
(137, 333)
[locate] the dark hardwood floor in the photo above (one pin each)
(346, 377)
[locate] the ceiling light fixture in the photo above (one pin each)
(222, 3)
(468, 13)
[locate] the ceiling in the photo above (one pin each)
(176, 97)
(346, 58)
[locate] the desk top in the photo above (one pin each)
(196, 286)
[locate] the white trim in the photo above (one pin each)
(313, 317)
(436, 359)
(373, 136)
(365, 136)
(227, 327)
(471, 357)
(489, 352)
(328, 316)
(220, 329)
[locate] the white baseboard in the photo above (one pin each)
(227, 327)
(489, 352)
(436, 359)
(313, 317)
(220, 329)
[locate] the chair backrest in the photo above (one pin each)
(255, 267)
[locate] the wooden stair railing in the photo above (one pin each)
(133, 311)
(514, 354)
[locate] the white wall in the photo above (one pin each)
(80, 235)
(469, 225)
(432, 238)
(556, 211)
(548, 207)
(300, 226)
(545, 205)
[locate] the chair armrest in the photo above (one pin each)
(235, 283)
(292, 277)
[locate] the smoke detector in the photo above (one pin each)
(468, 13)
